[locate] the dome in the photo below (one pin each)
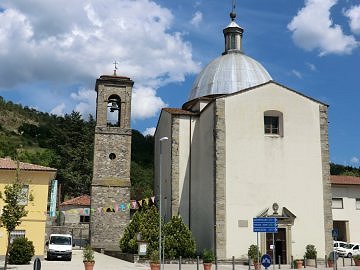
(232, 71)
(227, 74)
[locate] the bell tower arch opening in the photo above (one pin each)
(113, 111)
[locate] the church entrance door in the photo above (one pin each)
(279, 245)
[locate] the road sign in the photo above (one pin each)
(265, 260)
(268, 225)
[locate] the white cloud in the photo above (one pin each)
(297, 73)
(312, 28)
(197, 18)
(145, 103)
(59, 109)
(86, 101)
(355, 160)
(74, 46)
(312, 67)
(149, 131)
(354, 18)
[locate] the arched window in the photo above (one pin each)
(273, 123)
(113, 111)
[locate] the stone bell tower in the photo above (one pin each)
(110, 186)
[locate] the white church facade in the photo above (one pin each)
(245, 146)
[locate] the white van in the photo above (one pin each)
(59, 246)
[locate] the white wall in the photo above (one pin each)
(349, 212)
(202, 179)
(262, 170)
(163, 130)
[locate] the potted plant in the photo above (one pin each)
(310, 255)
(298, 263)
(88, 257)
(208, 258)
(154, 260)
(255, 255)
(332, 257)
(356, 259)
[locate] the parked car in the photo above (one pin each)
(59, 246)
(349, 250)
(338, 244)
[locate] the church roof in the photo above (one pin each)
(232, 71)
(9, 164)
(176, 111)
(83, 200)
(344, 180)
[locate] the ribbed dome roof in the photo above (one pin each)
(227, 74)
(231, 72)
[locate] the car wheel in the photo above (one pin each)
(349, 255)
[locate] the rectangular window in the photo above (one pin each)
(84, 219)
(24, 195)
(16, 234)
(357, 203)
(271, 124)
(337, 203)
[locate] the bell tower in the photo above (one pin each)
(110, 186)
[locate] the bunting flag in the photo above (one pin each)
(117, 207)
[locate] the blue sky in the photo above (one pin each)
(51, 53)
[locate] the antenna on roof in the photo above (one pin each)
(233, 13)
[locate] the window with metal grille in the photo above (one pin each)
(16, 234)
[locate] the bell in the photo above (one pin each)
(114, 106)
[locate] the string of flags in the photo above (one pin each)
(121, 207)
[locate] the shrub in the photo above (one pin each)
(310, 252)
(179, 240)
(208, 256)
(88, 254)
(254, 253)
(21, 251)
(154, 257)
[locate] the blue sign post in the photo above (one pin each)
(267, 225)
(266, 261)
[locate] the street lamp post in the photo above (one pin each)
(160, 199)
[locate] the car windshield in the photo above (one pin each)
(348, 246)
(342, 244)
(60, 240)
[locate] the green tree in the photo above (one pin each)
(13, 211)
(145, 222)
(179, 240)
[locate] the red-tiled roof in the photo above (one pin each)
(344, 180)
(83, 200)
(9, 164)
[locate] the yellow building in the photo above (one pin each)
(36, 179)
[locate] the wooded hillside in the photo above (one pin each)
(66, 143)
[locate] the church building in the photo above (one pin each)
(244, 146)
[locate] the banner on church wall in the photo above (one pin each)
(53, 197)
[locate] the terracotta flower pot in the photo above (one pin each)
(89, 265)
(207, 266)
(299, 264)
(257, 265)
(330, 263)
(154, 266)
(357, 262)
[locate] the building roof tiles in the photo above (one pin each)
(9, 164)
